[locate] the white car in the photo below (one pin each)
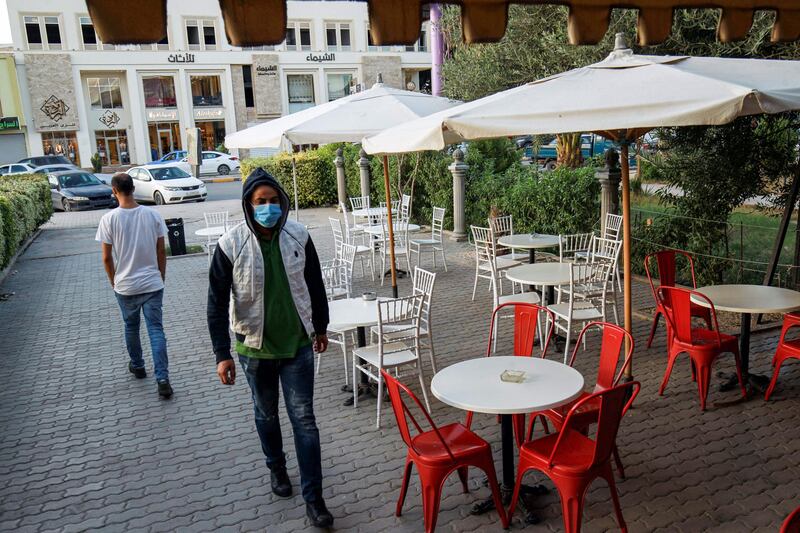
(16, 168)
(166, 184)
(217, 163)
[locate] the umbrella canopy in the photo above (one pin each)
(623, 92)
(347, 119)
(621, 97)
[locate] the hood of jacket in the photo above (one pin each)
(261, 177)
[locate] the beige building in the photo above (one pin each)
(13, 143)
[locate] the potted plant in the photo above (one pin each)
(97, 163)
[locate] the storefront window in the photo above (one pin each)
(112, 145)
(206, 91)
(62, 143)
(165, 137)
(339, 85)
(159, 92)
(104, 93)
(301, 91)
(212, 133)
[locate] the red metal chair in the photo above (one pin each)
(665, 261)
(786, 350)
(573, 460)
(437, 453)
(611, 348)
(702, 345)
(792, 522)
(526, 316)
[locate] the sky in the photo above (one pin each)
(5, 28)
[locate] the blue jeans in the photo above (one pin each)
(148, 303)
(297, 380)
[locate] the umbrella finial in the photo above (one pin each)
(620, 43)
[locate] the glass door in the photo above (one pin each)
(164, 141)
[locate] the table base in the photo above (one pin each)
(400, 273)
(755, 386)
(525, 502)
(364, 391)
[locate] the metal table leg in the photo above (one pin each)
(364, 389)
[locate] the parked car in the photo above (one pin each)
(166, 184)
(74, 190)
(41, 160)
(16, 168)
(591, 145)
(47, 169)
(171, 157)
(213, 162)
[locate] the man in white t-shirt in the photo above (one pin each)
(136, 263)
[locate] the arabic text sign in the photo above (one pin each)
(181, 58)
(321, 58)
(9, 123)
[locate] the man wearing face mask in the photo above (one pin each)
(267, 268)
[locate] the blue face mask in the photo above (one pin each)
(267, 215)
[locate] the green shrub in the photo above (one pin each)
(316, 176)
(24, 205)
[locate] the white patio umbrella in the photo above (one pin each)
(347, 119)
(621, 97)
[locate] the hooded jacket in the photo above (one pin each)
(236, 276)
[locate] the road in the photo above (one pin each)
(231, 190)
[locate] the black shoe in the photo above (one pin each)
(319, 514)
(164, 388)
(140, 373)
(281, 486)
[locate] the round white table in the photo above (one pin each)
(376, 229)
(370, 212)
(529, 241)
(475, 385)
(548, 275)
(748, 300)
(355, 313)
(213, 231)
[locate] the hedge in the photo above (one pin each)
(25, 204)
(316, 176)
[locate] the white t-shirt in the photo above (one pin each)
(132, 234)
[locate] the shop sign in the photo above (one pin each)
(205, 114)
(54, 108)
(109, 119)
(9, 123)
(267, 70)
(321, 58)
(181, 58)
(156, 115)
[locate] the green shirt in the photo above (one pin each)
(284, 333)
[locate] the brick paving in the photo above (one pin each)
(84, 446)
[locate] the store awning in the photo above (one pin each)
(393, 22)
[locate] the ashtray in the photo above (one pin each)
(369, 296)
(513, 376)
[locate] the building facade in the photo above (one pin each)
(13, 142)
(133, 104)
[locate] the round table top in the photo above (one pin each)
(351, 313)
(475, 385)
(541, 274)
(369, 212)
(750, 298)
(528, 241)
(213, 231)
(376, 229)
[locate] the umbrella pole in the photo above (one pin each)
(626, 248)
(389, 222)
(294, 184)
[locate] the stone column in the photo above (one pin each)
(341, 185)
(609, 187)
(363, 166)
(459, 170)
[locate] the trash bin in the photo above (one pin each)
(177, 238)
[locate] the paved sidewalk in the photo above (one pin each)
(85, 446)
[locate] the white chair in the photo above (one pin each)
(423, 284)
(337, 274)
(358, 238)
(608, 249)
(613, 227)
(398, 345)
(587, 298)
(214, 219)
(395, 210)
(486, 258)
(356, 203)
(435, 243)
(338, 235)
(400, 246)
(502, 226)
(405, 208)
(574, 246)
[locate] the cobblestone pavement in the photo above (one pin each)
(84, 446)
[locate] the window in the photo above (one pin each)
(206, 91)
(298, 36)
(159, 92)
(201, 34)
(371, 45)
(301, 91)
(42, 33)
(247, 77)
(337, 36)
(422, 43)
(104, 93)
(88, 36)
(339, 85)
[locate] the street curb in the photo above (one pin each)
(220, 180)
(7, 271)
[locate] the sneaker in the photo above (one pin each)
(138, 372)
(164, 388)
(319, 514)
(281, 486)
